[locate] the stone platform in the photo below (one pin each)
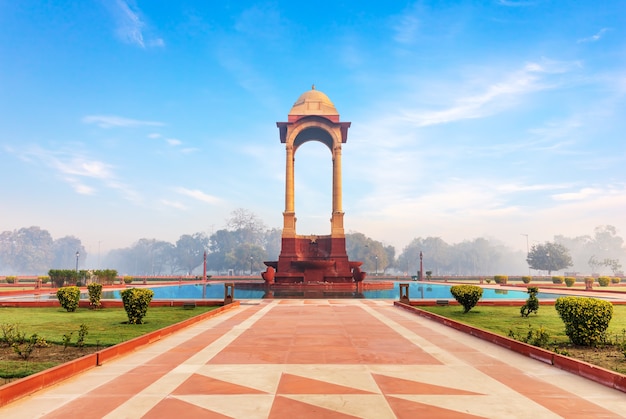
(322, 358)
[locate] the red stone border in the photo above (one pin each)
(592, 372)
(28, 385)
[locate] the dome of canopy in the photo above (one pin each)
(313, 102)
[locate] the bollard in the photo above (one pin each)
(404, 294)
(229, 293)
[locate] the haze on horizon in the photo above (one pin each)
(133, 119)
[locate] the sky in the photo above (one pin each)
(502, 119)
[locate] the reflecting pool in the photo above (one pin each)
(417, 291)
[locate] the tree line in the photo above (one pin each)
(245, 242)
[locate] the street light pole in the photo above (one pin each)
(376, 274)
(77, 256)
(421, 266)
(251, 265)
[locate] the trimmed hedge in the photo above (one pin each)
(586, 319)
(526, 279)
(558, 280)
(136, 302)
(570, 281)
(467, 295)
(501, 279)
(603, 281)
(69, 297)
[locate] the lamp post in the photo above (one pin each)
(376, 274)
(204, 268)
(77, 256)
(421, 266)
(251, 265)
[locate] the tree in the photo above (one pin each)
(247, 257)
(65, 249)
(27, 250)
(371, 252)
(190, 251)
(550, 256)
(248, 226)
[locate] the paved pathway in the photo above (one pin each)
(322, 359)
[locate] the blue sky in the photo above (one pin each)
(124, 119)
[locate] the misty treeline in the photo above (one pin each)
(244, 243)
(32, 251)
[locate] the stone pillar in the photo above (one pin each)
(289, 180)
(289, 216)
(336, 222)
(337, 204)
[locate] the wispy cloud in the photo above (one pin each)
(198, 195)
(583, 193)
(173, 142)
(513, 3)
(517, 187)
(173, 204)
(406, 29)
(111, 121)
(78, 169)
(594, 38)
(130, 25)
(494, 98)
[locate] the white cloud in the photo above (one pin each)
(406, 29)
(72, 166)
(577, 196)
(173, 204)
(594, 38)
(518, 3)
(516, 187)
(131, 27)
(79, 187)
(110, 121)
(173, 142)
(198, 195)
(494, 97)
(154, 135)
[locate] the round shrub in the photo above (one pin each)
(558, 280)
(501, 279)
(603, 281)
(570, 281)
(136, 302)
(95, 293)
(466, 295)
(11, 279)
(44, 279)
(586, 319)
(128, 279)
(69, 297)
(526, 279)
(615, 280)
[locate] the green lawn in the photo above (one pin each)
(105, 327)
(501, 320)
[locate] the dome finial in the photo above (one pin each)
(313, 86)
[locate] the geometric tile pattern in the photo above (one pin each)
(317, 358)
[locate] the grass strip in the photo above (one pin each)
(501, 320)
